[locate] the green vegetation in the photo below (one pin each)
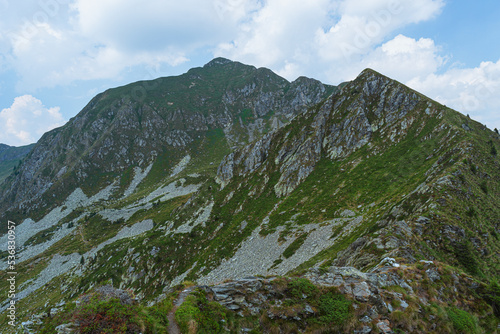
(463, 321)
(98, 314)
(334, 308)
(491, 294)
(302, 288)
(466, 258)
(198, 315)
(292, 248)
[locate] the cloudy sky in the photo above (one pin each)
(55, 55)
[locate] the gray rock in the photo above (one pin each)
(308, 309)
(364, 330)
(384, 327)
(433, 274)
(365, 319)
(361, 291)
(65, 328)
(233, 307)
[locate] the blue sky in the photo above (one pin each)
(55, 55)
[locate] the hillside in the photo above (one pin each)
(229, 171)
(10, 157)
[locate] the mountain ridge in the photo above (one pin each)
(123, 107)
(368, 173)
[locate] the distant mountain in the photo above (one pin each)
(379, 207)
(10, 157)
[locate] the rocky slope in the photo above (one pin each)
(224, 173)
(422, 178)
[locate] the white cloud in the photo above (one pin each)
(404, 58)
(57, 42)
(296, 37)
(474, 91)
(26, 120)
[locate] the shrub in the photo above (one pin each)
(471, 212)
(302, 286)
(334, 308)
(462, 321)
(493, 149)
(492, 295)
(109, 310)
(465, 255)
(107, 316)
(484, 186)
(198, 315)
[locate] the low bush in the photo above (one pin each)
(198, 315)
(462, 321)
(301, 287)
(334, 308)
(109, 310)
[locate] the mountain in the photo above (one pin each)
(10, 157)
(365, 207)
(153, 125)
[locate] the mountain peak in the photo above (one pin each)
(370, 74)
(218, 61)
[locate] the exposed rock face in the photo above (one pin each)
(340, 126)
(376, 120)
(107, 292)
(134, 124)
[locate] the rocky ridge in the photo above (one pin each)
(389, 299)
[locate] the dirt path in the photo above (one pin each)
(173, 328)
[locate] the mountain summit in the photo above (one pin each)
(362, 206)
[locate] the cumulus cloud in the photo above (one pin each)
(155, 24)
(474, 91)
(296, 37)
(403, 58)
(26, 120)
(60, 42)
(57, 42)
